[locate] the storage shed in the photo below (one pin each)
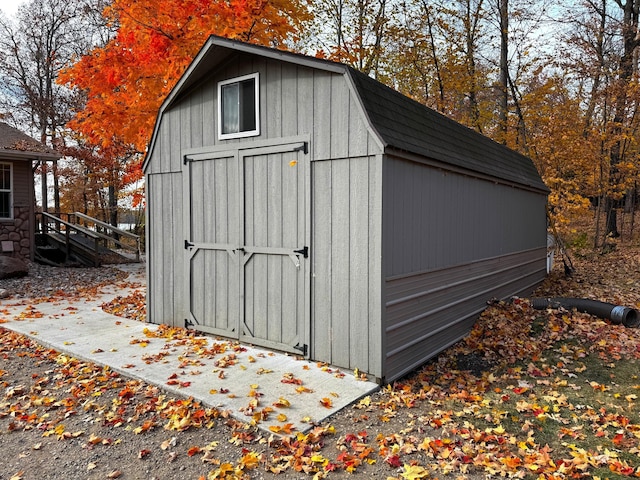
(300, 205)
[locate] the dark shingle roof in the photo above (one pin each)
(13, 140)
(407, 125)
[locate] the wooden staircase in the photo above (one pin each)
(78, 239)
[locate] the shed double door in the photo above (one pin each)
(247, 245)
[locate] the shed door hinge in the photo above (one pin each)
(302, 348)
(187, 244)
(185, 160)
(304, 148)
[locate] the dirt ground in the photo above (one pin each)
(64, 419)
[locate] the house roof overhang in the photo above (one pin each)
(20, 155)
(17, 145)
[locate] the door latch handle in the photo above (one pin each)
(304, 251)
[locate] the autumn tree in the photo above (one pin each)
(438, 57)
(624, 106)
(353, 31)
(604, 42)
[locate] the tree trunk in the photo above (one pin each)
(56, 187)
(113, 208)
(612, 218)
(503, 7)
(626, 69)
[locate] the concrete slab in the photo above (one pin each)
(282, 391)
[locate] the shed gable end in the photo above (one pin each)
(294, 100)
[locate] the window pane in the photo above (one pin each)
(248, 105)
(230, 108)
(5, 177)
(5, 205)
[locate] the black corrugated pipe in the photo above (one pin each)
(616, 313)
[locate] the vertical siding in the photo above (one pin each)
(22, 184)
(322, 101)
(165, 264)
(294, 101)
(346, 283)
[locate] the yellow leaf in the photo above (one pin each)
(250, 460)
(414, 472)
(282, 403)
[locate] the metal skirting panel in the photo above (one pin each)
(429, 311)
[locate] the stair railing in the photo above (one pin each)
(51, 223)
(102, 229)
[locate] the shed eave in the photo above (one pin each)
(416, 157)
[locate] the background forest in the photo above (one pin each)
(557, 81)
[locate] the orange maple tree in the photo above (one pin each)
(127, 79)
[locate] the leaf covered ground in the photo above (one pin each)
(528, 394)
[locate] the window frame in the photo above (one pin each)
(9, 191)
(246, 133)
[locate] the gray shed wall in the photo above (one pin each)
(295, 102)
(165, 249)
(451, 242)
(347, 270)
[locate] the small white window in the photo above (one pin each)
(238, 107)
(6, 191)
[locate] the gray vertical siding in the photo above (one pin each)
(346, 288)
(165, 250)
(294, 101)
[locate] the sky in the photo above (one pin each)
(9, 7)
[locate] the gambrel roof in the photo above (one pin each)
(407, 125)
(401, 124)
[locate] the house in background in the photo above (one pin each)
(297, 204)
(18, 152)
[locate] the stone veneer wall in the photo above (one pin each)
(18, 231)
